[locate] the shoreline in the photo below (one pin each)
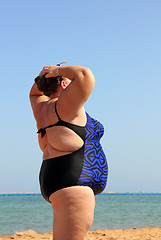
(119, 234)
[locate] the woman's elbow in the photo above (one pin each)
(88, 76)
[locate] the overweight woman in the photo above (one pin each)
(74, 167)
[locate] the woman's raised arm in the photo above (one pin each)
(73, 97)
(36, 98)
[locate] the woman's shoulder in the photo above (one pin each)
(43, 111)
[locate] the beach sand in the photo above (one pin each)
(123, 234)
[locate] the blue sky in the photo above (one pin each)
(120, 42)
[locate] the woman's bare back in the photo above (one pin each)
(58, 140)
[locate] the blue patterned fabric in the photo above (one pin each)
(95, 169)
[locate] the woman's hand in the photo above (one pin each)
(51, 71)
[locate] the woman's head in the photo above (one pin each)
(48, 86)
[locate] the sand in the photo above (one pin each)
(123, 234)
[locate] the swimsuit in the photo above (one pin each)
(86, 166)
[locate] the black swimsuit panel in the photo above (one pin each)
(86, 166)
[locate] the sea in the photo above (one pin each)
(21, 212)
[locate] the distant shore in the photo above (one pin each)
(20, 193)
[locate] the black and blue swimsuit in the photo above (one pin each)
(86, 166)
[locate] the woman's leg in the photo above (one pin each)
(73, 210)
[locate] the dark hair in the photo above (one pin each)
(48, 85)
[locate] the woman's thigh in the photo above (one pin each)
(73, 210)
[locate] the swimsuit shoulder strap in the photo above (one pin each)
(57, 112)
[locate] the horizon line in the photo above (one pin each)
(102, 192)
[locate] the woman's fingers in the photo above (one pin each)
(44, 70)
(50, 70)
(49, 75)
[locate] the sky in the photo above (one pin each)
(120, 42)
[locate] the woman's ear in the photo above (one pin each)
(63, 84)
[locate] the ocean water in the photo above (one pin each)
(20, 212)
